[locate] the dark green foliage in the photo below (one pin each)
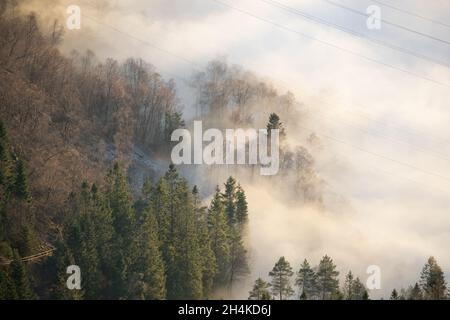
(6, 163)
(354, 288)
(432, 281)
(20, 188)
(241, 206)
(394, 295)
(19, 276)
(7, 286)
(229, 199)
(260, 290)
(275, 123)
(219, 230)
(281, 275)
(306, 281)
(327, 278)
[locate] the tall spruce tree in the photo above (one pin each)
(238, 257)
(394, 295)
(20, 188)
(7, 287)
(327, 278)
(6, 162)
(209, 263)
(184, 270)
(306, 281)
(432, 281)
(280, 284)
(241, 206)
(229, 200)
(415, 293)
(21, 279)
(149, 264)
(260, 290)
(219, 231)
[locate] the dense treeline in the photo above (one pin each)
(164, 245)
(322, 283)
(431, 285)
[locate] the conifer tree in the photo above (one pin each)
(359, 291)
(432, 281)
(238, 257)
(394, 295)
(149, 262)
(306, 281)
(327, 280)
(209, 263)
(280, 284)
(57, 265)
(260, 290)
(220, 232)
(7, 287)
(229, 200)
(184, 269)
(20, 188)
(241, 206)
(123, 216)
(21, 280)
(6, 163)
(348, 286)
(415, 293)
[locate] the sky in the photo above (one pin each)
(381, 115)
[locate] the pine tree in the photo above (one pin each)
(57, 265)
(275, 123)
(359, 291)
(348, 286)
(102, 220)
(394, 295)
(184, 269)
(229, 199)
(20, 278)
(7, 287)
(241, 206)
(123, 216)
(260, 290)
(209, 263)
(280, 284)
(160, 205)
(238, 257)
(306, 281)
(6, 163)
(219, 231)
(415, 293)
(20, 189)
(28, 240)
(327, 280)
(432, 281)
(149, 263)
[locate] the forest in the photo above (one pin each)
(74, 191)
(322, 283)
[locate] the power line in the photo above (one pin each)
(412, 13)
(388, 22)
(324, 135)
(379, 134)
(375, 154)
(351, 32)
(332, 45)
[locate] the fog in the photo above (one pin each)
(383, 147)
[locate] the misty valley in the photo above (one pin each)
(120, 180)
